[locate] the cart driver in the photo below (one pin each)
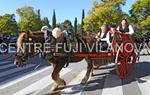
(124, 27)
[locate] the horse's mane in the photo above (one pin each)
(23, 35)
(90, 34)
(21, 38)
(36, 33)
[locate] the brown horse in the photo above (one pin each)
(58, 62)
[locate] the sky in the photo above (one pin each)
(65, 9)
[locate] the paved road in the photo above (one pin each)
(104, 82)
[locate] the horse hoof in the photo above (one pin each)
(54, 87)
(92, 74)
(83, 82)
(96, 66)
(62, 84)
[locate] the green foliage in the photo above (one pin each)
(106, 12)
(82, 22)
(79, 29)
(66, 25)
(75, 25)
(45, 21)
(39, 18)
(146, 22)
(140, 16)
(140, 13)
(8, 24)
(29, 19)
(54, 20)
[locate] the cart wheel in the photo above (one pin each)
(131, 62)
(124, 64)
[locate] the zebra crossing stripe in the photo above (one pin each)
(76, 89)
(23, 78)
(144, 86)
(112, 86)
(11, 71)
(40, 85)
(149, 86)
(4, 62)
(7, 66)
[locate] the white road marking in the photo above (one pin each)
(41, 84)
(23, 78)
(112, 86)
(2, 74)
(77, 88)
(7, 66)
(4, 62)
(144, 86)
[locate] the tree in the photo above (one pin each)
(82, 22)
(75, 25)
(66, 25)
(140, 14)
(45, 21)
(106, 12)
(54, 20)
(29, 19)
(8, 24)
(39, 18)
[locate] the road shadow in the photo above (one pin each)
(141, 70)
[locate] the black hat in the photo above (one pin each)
(113, 26)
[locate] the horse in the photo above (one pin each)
(58, 62)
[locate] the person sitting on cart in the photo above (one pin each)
(103, 37)
(124, 27)
(113, 29)
(49, 38)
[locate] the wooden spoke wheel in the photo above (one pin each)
(124, 63)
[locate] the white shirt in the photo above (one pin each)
(106, 38)
(131, 31)
(65, 32)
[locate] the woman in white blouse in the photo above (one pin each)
(124, 27)
(104, 35)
